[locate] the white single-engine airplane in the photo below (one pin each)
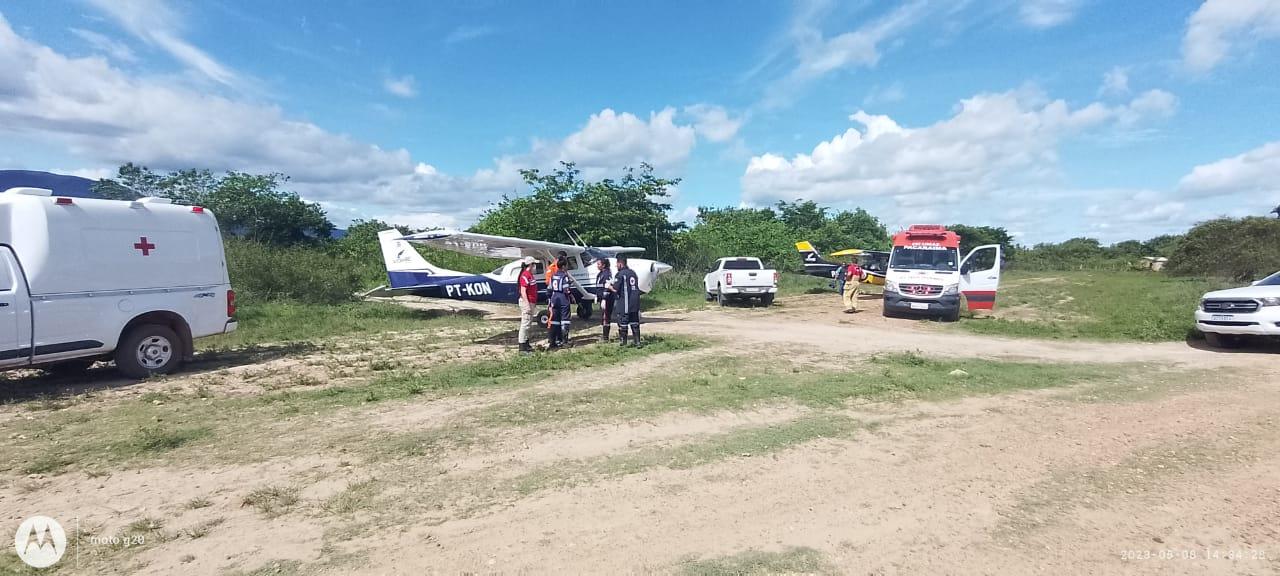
(409, 273)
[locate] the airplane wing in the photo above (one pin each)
(491, 246)
(620, 249)
(847, 252)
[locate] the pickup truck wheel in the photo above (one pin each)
(148, 350)
(1222, 340)
(767, 299)
(721, 299)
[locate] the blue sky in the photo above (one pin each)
(1053, 118)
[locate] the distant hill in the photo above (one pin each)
(61, 185)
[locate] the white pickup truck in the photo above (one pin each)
(83, 280)
(1227, 317)
(740, 278)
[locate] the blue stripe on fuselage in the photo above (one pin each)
(475, 287)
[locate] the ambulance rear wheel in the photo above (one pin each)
(148, 350)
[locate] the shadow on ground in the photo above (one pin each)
(36, 384)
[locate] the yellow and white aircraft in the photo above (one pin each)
(874, 262)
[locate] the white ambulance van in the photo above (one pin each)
(83, 280)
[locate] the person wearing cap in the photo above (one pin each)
(626, 289)
(559, 299)
(527, 288)
(606, 296)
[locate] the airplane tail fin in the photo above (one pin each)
(808, 252)
(814, 263)
(400, 256)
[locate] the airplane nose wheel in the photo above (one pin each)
(544, 317)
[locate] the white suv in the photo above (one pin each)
(1227, 316)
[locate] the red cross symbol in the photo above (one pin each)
(144, 246)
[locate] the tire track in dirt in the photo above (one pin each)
(925, 493)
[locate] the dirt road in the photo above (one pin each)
(1172, 470)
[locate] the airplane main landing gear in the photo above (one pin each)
(584, 310)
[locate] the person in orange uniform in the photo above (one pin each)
(551, 271)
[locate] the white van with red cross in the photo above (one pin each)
(926, 276)
(83, 280)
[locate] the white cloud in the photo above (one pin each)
(1115, 82)
(816, 55)
(1255, 172)
(115, 49)
(1218, 24)
(1043, 14)
(992, 142)
(467, 33)
(155, 23)
(611, 140)
(102, 115)
(403, 86)
(713, 122)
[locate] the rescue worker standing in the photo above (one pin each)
(603, 280)
(626, 288)
(559, 298)
(853, 276)
(527, 287)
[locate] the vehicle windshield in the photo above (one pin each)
(924, 259)
(1272, 280)
(742, 264)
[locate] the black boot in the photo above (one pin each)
(604, 334)
(635, 335)
(622, 335)
(525, 347)
(553, 337)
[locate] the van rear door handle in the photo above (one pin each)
(3, 304)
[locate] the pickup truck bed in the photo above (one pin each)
(739, 279)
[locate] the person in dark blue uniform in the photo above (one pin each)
(603, 279)
(560, 291)
(626, 288)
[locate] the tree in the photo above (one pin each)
(1162, 245)
(1130, 249)
(251, 206)
(802, 217)
(1240, 249)
(723, 232)
(1275, 211)
(857, 229)
(974, 236)
(628, 212)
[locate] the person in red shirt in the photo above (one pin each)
(854, 276)
(527, 287)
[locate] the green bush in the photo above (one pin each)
(261, 273)
(1240, 249)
